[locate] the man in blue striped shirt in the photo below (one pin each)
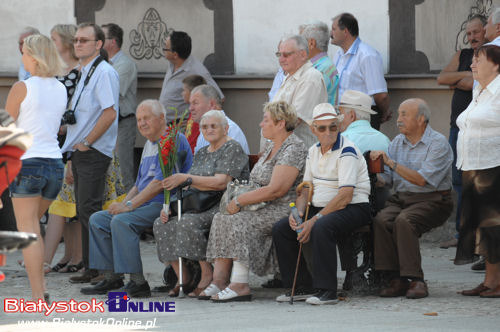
(418, 165)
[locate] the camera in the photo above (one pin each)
(68, 118)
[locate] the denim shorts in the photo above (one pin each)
(39, 177)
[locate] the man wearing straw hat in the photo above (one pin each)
(355, 106)
(338, 173)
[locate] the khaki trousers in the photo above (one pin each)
(398, 227)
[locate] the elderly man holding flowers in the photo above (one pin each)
(114, 234)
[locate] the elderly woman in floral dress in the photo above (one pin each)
(213, 167)
(241, 241)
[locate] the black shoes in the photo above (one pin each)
(480, 265)
(301, 294)
(102, 287)
(134, 290)
(324, 296)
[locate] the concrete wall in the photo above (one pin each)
(260, 24)
(146, 24)
(17, 14)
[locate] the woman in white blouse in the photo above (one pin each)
(478, 156)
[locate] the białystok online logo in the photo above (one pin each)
(117, 302)
(120, 302)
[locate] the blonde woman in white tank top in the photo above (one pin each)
(37, 104)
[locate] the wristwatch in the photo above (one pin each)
(86, 143)
(237, 203)
(318, 215)
(129, 204)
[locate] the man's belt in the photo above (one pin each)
(120, 117)
(444, 192)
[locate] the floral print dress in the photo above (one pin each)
(246, 235)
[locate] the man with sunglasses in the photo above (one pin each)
(303, 86)
(181, 64)
(340, 205)
(92, 138)
(418, 166)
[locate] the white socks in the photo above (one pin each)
(240, 273)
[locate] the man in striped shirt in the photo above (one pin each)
(418, 166)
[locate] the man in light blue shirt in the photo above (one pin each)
(205, 98)
(360, 66)
(356, 108)
(92, 138)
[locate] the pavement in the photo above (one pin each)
(443, 310)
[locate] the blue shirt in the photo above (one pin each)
(431, 157)
(360, 68)
(149, 168)
(323, 63)
(365, 137)
(278, 80)
(23, 74)
(101, 92)
(234, 132)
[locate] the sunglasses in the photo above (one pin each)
(212, 126)
(284, 54)
(82, 40)
(332, 128)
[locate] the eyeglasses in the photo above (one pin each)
(212, 126)
(82, 40)
(284, 54)
(332, 128)
(167, 50)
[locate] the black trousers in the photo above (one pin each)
(324, 237)
(89, 172)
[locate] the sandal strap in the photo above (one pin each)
(227, 294)
(212, 289)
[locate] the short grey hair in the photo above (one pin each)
(155, 106)
(209, 92)
(424, 110)
(318, 31)
(495, 15)
(216, 114)
(360, 115)
(30, 31)
(300, 41)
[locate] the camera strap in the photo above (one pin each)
(87, 79)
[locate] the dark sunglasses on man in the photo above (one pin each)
(332, 128)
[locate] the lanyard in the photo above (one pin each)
(87, 79)
(354, 47)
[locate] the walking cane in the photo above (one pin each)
(309, 198)
(188, 182)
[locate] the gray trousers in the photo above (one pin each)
(125, 143)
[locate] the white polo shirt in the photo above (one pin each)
(342, 166)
